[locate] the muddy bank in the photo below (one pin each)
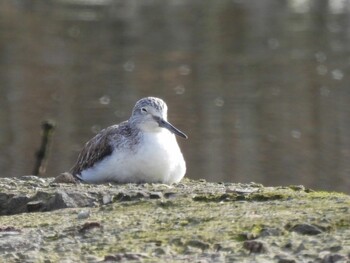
(42, 221)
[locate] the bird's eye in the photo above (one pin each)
(143, 110)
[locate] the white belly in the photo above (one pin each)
(157, 159)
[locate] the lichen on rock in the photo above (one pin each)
(42, 220)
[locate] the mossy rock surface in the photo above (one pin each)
(193, 221)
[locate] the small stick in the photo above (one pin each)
(48, 127)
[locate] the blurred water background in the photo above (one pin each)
(261, 87)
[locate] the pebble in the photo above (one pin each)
(65, 178)
(159, 251)
(306, 229)
(254, 246)
(198, 244)
(331, 258)
(270, 232)
(88, 226)
(282, 258)
(125, 256)
(83, 214)
(106, 199)
(170, 195)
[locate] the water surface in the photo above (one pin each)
(259, 86)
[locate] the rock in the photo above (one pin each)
(306, 229)
(106, 199)
(16, 204)
(286, 260)
(82, 199)
(219, 247)
(66, 178)
(159, 251)
(177, 241)
(254, 246)
(297, 187)
(60, 200)
(155, 195)
(4, 199)
(288, 246)
(335, 248)
(281, 258)
(89, 225)
(125, 256)
(300, 248)
(171, 227)
(83, 214)
(131, 196)
(35, 206)
(269, 231)
(332, 258)
(9, 229)
(198, 244)
(170, 195)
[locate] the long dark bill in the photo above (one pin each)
(170, 127)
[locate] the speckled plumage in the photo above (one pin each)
(103, 143)
(142, 149)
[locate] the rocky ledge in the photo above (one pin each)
(193, 221)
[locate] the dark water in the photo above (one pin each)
(261, 87)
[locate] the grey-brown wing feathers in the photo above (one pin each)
(95, 150)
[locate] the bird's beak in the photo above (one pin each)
(163, 123)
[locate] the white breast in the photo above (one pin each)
(156, 159)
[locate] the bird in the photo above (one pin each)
(142, 149)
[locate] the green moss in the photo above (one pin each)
(268, 196)
(327, 195)
(217, 197)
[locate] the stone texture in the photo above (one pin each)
(193, 221)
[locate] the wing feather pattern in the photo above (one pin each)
(96, 149)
